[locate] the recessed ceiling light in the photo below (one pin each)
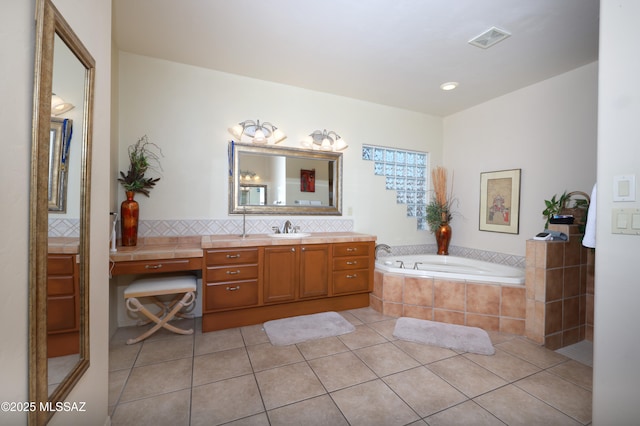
(449, 85)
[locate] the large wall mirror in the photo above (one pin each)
(274, 180)
(59, 212)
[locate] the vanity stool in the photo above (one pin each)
(182, 286)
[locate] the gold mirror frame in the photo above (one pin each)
(49, 23)
(334, 160)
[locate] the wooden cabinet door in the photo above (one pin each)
(314, 270)
(280, 275)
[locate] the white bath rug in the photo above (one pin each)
(451, 336)
(288, 331)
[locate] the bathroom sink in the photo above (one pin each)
(293, 235)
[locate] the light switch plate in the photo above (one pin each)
(625, 221)
(624, 188)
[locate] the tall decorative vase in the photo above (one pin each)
(129, 210)
(443, 237)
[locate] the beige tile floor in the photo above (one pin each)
(367, 377)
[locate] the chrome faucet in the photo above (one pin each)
(287, 228)
(244, 223)
(382, 247)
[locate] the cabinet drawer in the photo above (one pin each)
(60, 264)
(346, 263)
(231, 257)
(351, 281)
(231, 273)
(61, 313)
(231, 295)
(351, 249)
(60, 285)
(157, 266)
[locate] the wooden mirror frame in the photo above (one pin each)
(49, 23)
(236, 149)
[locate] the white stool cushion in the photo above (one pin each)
(157, 286)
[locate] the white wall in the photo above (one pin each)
(186, 110)
(548, 130)
(17, 42)
(617, 290)
(92, 22)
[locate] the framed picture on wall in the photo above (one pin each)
(500, 201)
(307, 180)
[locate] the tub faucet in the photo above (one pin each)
(287, 228)
(382, 247)
(401, 263)
(415, 265)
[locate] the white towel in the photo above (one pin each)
(589, 239)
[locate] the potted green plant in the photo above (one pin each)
(439, 210)
(566, 204)
(553, 207)
(143, 156)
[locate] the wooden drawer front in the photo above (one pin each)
(231, 295)
(232, 257)
(61, 313)
(351, 281)
(157, 266)
(60, 285)
(351, 249)
(231, 273)
(346, 263)
(60, 264)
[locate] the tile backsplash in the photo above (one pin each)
(172, 228)
(163, 228)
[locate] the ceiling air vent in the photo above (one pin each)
(488, 38)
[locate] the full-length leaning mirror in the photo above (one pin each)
(275, 180)
(59, 212)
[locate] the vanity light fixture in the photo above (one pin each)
(259, 133)
(59, 106)
(248, 175)
(449, 85)
(324, 141)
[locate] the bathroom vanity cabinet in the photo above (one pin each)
(250, 285)
(63, 305)
(230, 279)
(352, 267)
(295, 272)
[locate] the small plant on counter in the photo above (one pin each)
(567, 204)
(553, 207)
(143, 156)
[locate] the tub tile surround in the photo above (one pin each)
(559, 290)
(492, 307)
(484, 255)
(554, 308)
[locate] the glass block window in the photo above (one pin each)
(406, 173)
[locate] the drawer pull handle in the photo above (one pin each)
(233, 256)
(158, 266)
(233, 288)
(233, 272)
(352, 276)
(352, 249)
(355, 262)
